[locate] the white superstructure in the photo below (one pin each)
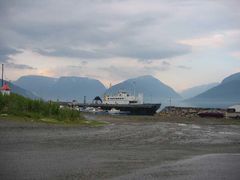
(123, 98)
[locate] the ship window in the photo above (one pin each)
(132, 101)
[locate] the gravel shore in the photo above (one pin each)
(123, 149)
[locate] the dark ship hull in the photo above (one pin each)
(133, 109)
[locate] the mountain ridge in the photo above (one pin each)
(21, 91)
(66, 88)
(196, 90)
(225, 94)
(152, 88)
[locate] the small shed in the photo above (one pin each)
(5, 89)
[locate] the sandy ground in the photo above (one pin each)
(123, 149)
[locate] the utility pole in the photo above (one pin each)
(170, 101)
(2, 73)
(134, 86)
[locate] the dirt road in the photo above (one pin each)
(121, 150)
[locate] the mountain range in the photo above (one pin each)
(225, 94)
(68, 88)
(153, 89)
(194, 91)
(18, 90)
(63, 88)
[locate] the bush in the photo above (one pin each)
(20, 106)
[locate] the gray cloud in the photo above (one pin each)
(126, 72)
(165, 63)
(119, 73)
(5, 52)
(112, 28)
(4, 58)
(184, 67)
(75, 53)
(18, 66)
(107, 33)
(151, 52)
(84, 63)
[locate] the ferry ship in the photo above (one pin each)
(126, 103)
(123, 98)
(121, 103)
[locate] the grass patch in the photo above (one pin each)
(17, 107)
(83, 122)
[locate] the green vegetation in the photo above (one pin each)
(38, 110)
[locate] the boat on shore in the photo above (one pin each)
(122, 102)
(114, 111)
(122, 97)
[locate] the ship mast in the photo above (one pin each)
(2, 73)
(134, 86)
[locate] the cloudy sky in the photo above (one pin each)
(181, 42)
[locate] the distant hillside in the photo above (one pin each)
(223, 95)
(23, 92)
(63, 88)
(194, 91)
(152, 89)
(40, 85)
(233, 77)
